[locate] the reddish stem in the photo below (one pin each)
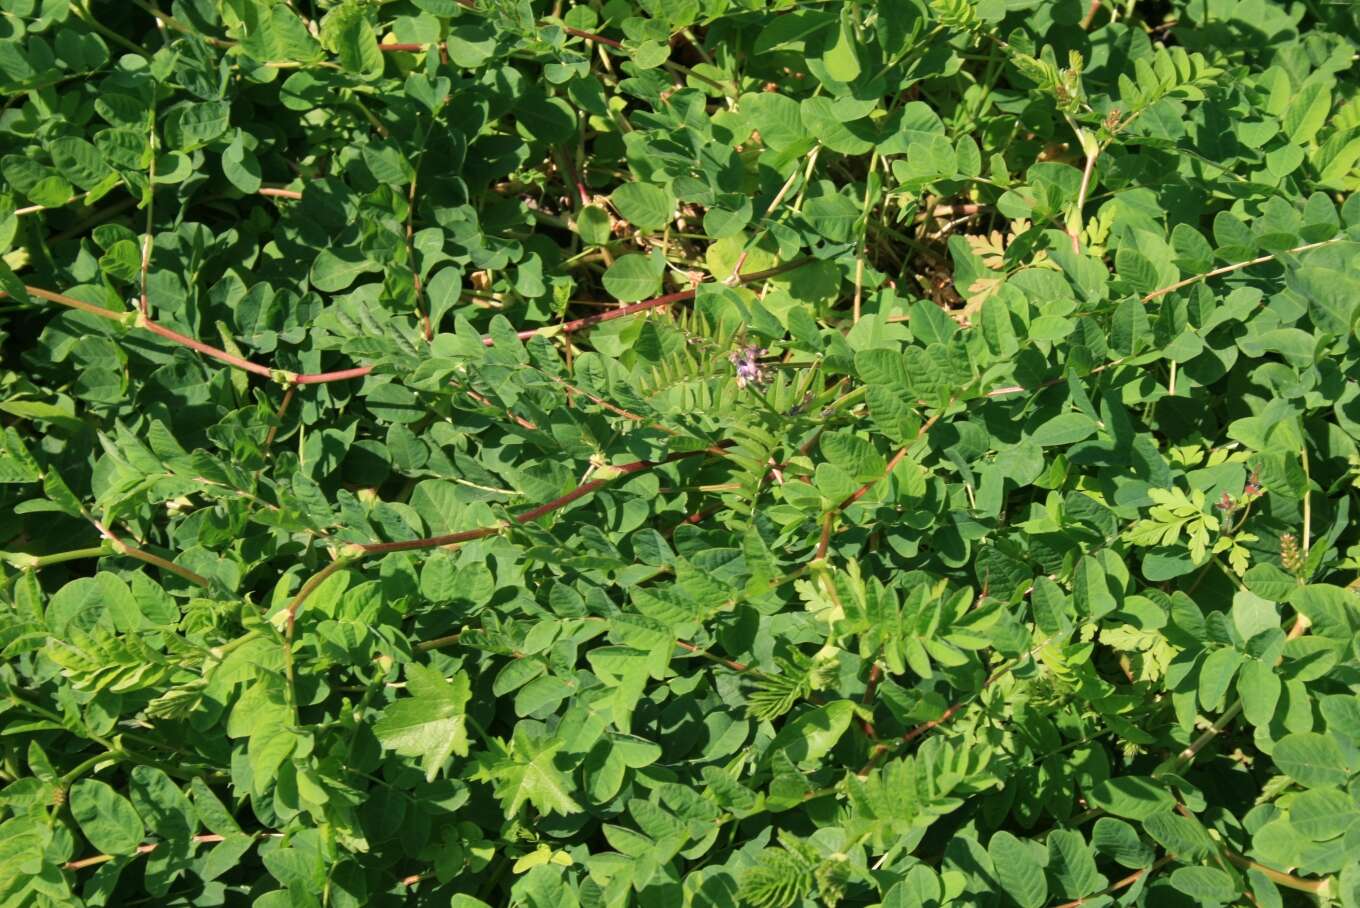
(320, 378)
(1122, 883)
(825, 542)
(730, 663)
(875, 672)
(692, 519)
(278, 417)
(132, 551)
(149, 847)
(598, 39)
(485, 402)
(679, 296)
(206, 349)
(628, 469)
(72, 302)
(949, 713)
(892, 464)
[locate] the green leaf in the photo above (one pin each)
(819, 117)
(635, 277)
(594, 226)
(1307, 112)
(106, 818)
(1131, 797)
(80, 162)
(195, 125)
(348, 31)
(431, 723)
(527, 772)
(1183, 836)
(643, 205)
(831, 214)
(1020, 872)
(1207, 885)
(1064, 429)
(443, 292)
(812, 734)
(1332, 297)
(840, 58)
(1312, 759)
(1322, 814)
(1072, 864)
(1259, 687)
(335, 269)
(1137, 269)
(11, 285)
(1216, 675)
(1269, 582)
(546, 119)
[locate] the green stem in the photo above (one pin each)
(133, 552)
(438, 642)
(220, 652)
(1319, 888)
(1228, 269)
(1307, 502)
(290, 619)
(83, 14)
(25, 561)
(85, 765)
(172, 23)
(863, 237)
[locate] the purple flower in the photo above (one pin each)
(747, 361)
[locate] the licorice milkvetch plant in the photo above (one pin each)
(679, 452)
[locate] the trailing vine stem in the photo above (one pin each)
(291, 378)
(284, 377)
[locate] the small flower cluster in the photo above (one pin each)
(1290, 555)
(749, 369)
(1229, 505)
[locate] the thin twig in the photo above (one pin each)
(72, 303)
(290, 621)
(582, 490)
(133, 552)
(735, 276)
(825, 542)
(33, 209)
(1307, 500)
(1228, 269)
(1090, 15)
(875, 673)
(285, 377)
(172, 23)
(208, 350)
(438, 642)
(217, 353)
(729, 663)
(149, 847)
(1319, 888)
(1187, 756)
(896, 458)
(668, 299)
(321, 378)
(149, 239)
(278, 416)
(1123, 882)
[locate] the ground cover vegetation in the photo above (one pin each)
(679, 452)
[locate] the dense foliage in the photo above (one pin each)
(679, 452)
